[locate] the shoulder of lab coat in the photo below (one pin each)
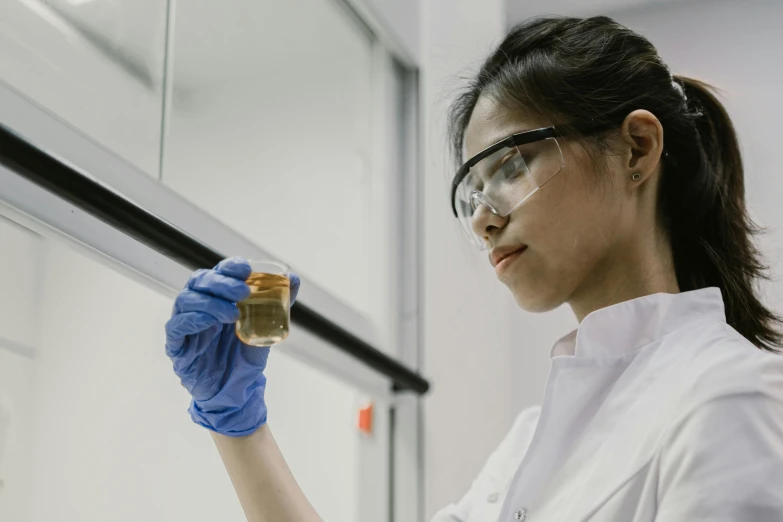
(501, 463)
(706, 375)
(720, 362)
(722, 457)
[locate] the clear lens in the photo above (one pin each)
(500, 182)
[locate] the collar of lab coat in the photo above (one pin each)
(625, 327)
(613, 394)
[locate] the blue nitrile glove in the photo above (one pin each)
(223, 375)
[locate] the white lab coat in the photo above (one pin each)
(654, 410)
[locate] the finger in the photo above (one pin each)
(189, 323)
(184, 324)
(218, 285)
(222, 310)
(236, 267)
(295, 283)
(198, 273)
(187, 352)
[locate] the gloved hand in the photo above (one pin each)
(223, 375)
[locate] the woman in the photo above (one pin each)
(595, 178)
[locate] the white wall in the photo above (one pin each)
(467, 316)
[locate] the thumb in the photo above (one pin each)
(295, 283)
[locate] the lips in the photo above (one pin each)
(498, 254)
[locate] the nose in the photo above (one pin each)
(486, 223)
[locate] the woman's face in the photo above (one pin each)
(573, 228)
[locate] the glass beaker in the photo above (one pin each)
(264, 317)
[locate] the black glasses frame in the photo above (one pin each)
(515, 140)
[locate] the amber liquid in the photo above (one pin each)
(264, 316)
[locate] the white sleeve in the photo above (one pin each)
(725, 463)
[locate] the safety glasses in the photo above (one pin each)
(504, 175)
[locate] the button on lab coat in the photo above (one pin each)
(654, 410)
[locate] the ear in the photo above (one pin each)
(642, 145)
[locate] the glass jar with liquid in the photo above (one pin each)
(264, 317)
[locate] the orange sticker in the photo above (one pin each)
(365, 419)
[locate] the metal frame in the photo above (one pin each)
(370, 18)
(407, 420)
(395, 191)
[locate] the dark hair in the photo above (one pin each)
(596, 70)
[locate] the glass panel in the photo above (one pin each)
(97, 64)
(99, 427)
(269, 129)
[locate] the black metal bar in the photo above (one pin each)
(55, 176)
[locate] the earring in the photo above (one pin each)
(636, 176)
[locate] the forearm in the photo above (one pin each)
(264, 484)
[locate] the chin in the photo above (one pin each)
(537, 298)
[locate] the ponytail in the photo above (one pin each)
(703, 201)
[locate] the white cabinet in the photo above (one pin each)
(270, 129)
(96, 64)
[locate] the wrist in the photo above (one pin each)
(225, 418)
